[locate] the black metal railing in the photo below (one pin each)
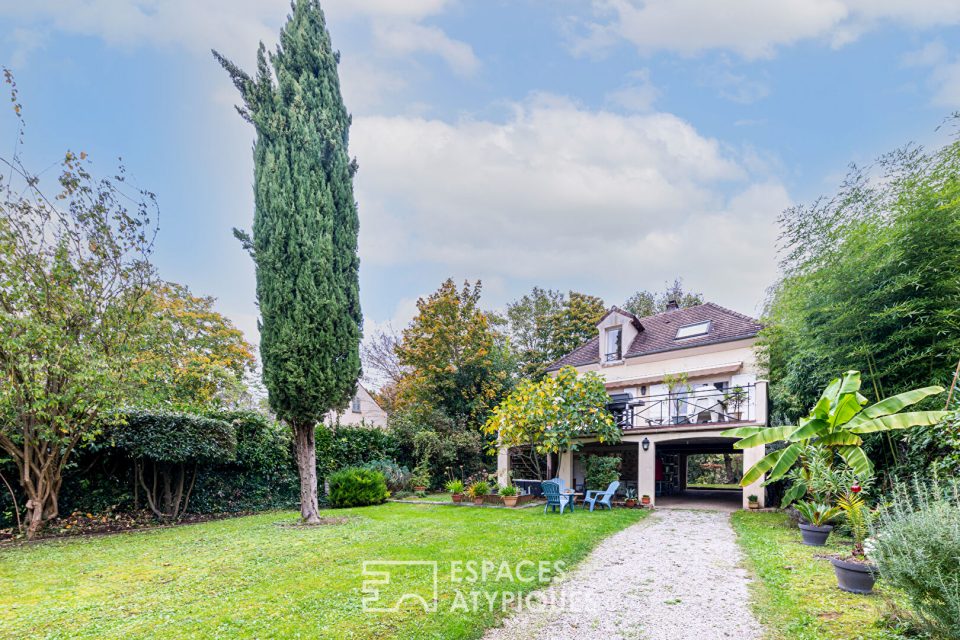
(614, 356)
(697, 405)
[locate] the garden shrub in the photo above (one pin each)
(601, 471)
(357, 487)
(917, 548)
(397, 477)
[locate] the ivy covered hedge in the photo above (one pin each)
(243, 462)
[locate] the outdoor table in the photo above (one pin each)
(571, 497)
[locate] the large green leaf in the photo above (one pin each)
(893, 404)
(741, 432)
(856, 459)
(811, 429)
(850, 384)
(840, 438)
(830, 393)
(765, 436)
(822, 409)
(847, 407)
(796, 491)
(765, 463)
(786, 461)
(900, 421)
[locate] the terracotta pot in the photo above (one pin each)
(630, 503)
(457, 497)
(510, 501)
(419, 489)
(645, 500)
(854, 577)
(754, 505)
(478, 501)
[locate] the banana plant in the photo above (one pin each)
(836, 423)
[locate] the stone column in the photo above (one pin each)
(647, 472)
(751, 456)
(503, 466)
(565, 472)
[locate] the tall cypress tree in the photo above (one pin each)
(305, 226)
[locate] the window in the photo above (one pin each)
(691, 330)
(355, 404)
(614, 350)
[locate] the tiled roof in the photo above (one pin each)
(659, 333)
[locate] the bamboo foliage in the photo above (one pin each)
(835, 423)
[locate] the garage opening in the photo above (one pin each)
(699, 474)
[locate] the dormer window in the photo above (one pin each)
(693, 330)
(614, 344)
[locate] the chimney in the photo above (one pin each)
(672, 304)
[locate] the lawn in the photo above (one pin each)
(796, 594)
(259, 577)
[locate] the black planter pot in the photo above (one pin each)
(815, 536)
(855, 577)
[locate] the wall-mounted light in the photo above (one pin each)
(645, 444)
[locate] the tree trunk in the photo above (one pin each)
(305, 437)
(728, 468)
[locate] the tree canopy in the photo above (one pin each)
(648, 303)
(451, 355)
(74, 270)
(551, 415)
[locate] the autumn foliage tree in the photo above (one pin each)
(74, 272)
(190, 357)
(450, 355)
(575, 322)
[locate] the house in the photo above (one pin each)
(363, 408)
(676, 380)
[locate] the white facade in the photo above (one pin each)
(362, 409)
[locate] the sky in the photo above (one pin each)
(603, 146)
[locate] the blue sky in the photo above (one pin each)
(604, 145)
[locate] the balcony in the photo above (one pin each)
(702, 405)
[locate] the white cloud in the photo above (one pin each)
(559, 193)
(405, 37)
(751, 28)
(235, 26)
(944, 76)
(638, 94)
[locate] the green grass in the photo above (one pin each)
(796, 594)
(251, 577)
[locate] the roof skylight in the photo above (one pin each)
(692, 330)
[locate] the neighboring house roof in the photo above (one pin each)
(659, 333)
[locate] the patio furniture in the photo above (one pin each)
(603, 497)
(551, 491)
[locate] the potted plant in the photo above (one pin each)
(753, 502)
(509, 494)
(420, 478)
(645, 500)
(455, 487)
(817, 517)
(735, 399)
(631, 499)
(478, 490)
(855, 573)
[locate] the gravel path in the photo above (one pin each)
(672, 576)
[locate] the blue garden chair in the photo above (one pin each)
(602, 498)
(551, 491)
